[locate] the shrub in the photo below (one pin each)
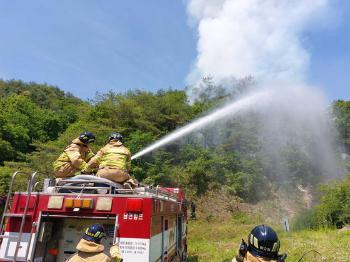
(333, 209)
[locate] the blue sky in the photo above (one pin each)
(330, 55)
(88, 46)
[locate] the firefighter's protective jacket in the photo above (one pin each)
(77, 154)
(113, 155)
(250, 258)
(92, 252)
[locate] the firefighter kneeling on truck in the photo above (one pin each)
(75, 157)
(90, 248)
(113, 161)
(263, 245)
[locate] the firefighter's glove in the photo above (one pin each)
(115, 253)
(94, 171)
(282, 258)
(86, 170)
(242, 249)
(239, 258)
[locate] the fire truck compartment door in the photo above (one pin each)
(8, 246)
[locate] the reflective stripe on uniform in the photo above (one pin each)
(115, 156)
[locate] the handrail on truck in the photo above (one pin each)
(24, 215)
(80, 184)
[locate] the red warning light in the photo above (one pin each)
(134, 205)
(53, 252)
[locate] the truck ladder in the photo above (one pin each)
(7, 211)
(33, 186)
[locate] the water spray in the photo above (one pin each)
(229, 109)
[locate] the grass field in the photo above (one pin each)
(219, 241)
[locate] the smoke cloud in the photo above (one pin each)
(263, 38)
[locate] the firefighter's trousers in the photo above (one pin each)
(113, 174)
(65, 171)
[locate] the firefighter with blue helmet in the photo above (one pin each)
(263, 245)
(90, 248)
(75, 157)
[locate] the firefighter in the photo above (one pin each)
(75, 157)
(90, 248)
(113, 160)
(263, 245)
(193, 210)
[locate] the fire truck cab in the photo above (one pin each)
(147, 223)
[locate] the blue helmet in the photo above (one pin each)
(263, 242)
(94, 233)
(87, 137)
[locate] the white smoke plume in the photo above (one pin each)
(266, 39)
(262, 38)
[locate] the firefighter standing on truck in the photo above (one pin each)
(90, 248)
(75, 157)
(113, 160)
(263, 245)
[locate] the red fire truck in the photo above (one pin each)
(147, 223)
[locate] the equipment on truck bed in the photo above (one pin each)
(147, 223)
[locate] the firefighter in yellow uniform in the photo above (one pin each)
(90, 248)
(113, 160)
(75, 157)
(263, 246)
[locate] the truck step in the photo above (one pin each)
(14, 215)
(7, 236)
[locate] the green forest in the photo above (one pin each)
(38, 121)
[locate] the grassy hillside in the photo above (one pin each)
(219, 241)
(224, 221)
